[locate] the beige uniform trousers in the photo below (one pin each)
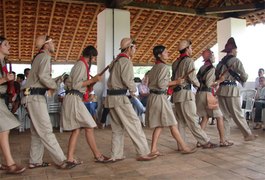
(186, 115)
(230, 106)
(42, 132)
(125, 118)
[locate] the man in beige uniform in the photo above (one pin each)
(228, 92)
(184, 98)
(121, 110)
(39, 81)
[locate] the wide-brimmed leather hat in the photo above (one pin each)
(230, 45)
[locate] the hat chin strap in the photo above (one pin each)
(49, 40)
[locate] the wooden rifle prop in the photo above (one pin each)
(184, 77)
(10, 85)
(102, 72)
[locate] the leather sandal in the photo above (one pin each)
(193, 150)
(155, 153)
(226, 144)
(146, 158)
(39, 165)
(101, 159)
(15, 169)
(209, 145)
(67, 165)
(112, 160)
(3, 167)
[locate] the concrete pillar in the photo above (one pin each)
(231, 27)
(112, 26)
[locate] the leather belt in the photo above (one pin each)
(158, 91)
(205, 89)
(38, 91)
(75, 92)
(228, 83)
(179, 88)
(113, 92)
(3, 96)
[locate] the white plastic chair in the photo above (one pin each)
(248, 98)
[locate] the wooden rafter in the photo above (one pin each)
(61, 35)
(250, 20)
(160, 34)
(162, 8)
(76, 29)
(150, 33)
(257, 17)
(19, 31)
(89, 29)
(4, 17)
(184, 32)
(51, 17)
(235, 8)
(143, 25)
(206, 30)
(136, 17)
(183, 2)
(35, 28)
(172, 34)
(91, 2)
(204, 47)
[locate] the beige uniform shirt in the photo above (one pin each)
(201, 96)
(3, 87)
(237, 66)
(40, 73)
(121, 77)
(185, 66)
(77, 76)
(159, 110)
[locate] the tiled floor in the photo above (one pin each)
(244, 160)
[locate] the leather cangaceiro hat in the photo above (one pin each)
(231, 44)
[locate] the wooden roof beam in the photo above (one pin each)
(232, 9)
(171, 34)
(150, 33)
(160, 34)
(52, 14)
(91, 2)
(167, 8)
(198, 54)
(61, 35)
(136, 17)
(35, 28)
(89, 29)
(76, 29)
(183, 32)
(4, 17)
(143, 26)
(205, 31)
(19, 29)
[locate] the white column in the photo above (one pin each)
(235, 28)
(112, 26)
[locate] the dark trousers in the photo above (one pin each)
(258, 110)
(104, 115)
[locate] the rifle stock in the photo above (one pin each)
(185, 76)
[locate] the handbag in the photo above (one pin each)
(212, 102)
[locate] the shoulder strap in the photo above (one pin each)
(200, 74)
(175, 70)
(40, 52)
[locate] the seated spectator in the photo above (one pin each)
(259, 103)
(144, 90)
(61, 90)
(260, 74)
(92, 105)
(105, 111)
(136, 103)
